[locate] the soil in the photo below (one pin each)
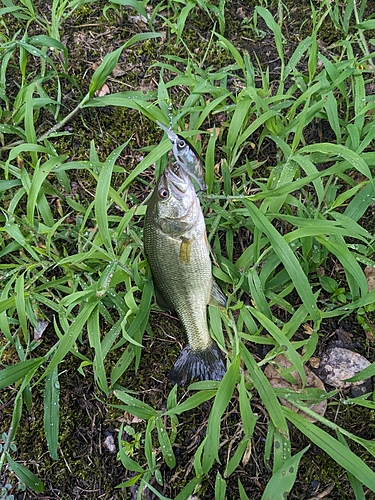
(87, 468)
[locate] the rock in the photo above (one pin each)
(339, 364)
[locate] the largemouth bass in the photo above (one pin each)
(186, 156)
(176, 247)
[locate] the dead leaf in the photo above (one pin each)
(307, 329)
(369, 335)
(118, 71)
(129, 419)
(217, 131)
(40, 328)
(312, 381)
(104, 90)
(370, 277)
(247, 455)
(314, 361)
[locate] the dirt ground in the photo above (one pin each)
(87, 468)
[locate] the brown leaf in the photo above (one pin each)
(118, 71)
(217, 131)
(104, 90)
(312, 380)
(370, 277)
(129, 419)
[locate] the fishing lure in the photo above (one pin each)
(186, 156)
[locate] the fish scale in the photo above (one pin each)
(186, 288)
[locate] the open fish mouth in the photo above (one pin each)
(177, 178)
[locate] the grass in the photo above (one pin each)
(79, 264)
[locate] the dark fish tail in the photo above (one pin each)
(207, 364)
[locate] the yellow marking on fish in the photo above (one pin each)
(185, 250)
(206, 240)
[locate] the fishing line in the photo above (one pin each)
(170, 106)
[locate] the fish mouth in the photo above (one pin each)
(177, 179)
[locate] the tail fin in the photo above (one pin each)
(207, 364)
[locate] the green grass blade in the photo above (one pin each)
(166, 447)
(240, 114)
(247, 415)
(233, 50)
(151, 158)
(18, 371)
(210, 161)
(242, 491)
(287, 257)
(149, 449)
(126, 461)
(25, 475)
(302, 47)
(360, 203)
(94, 335)
(188, 490)
(282, 481)
(192, 402)
(101, 197)
(137, 6)
(135, 406)
(266, 392)
(223, 396)
(355, 484)
(237, 456)
(337, 247)
(363, 374)
(338, 150)
(220, 487)
(40, 174)
(359, 101)
(276, 30)
(257, 293)
(110, 60)
(74, 330)
(21, 307)
(51, 411)
(282, 340)
(340, 453)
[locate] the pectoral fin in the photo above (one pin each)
(185, 250)
(217, 297)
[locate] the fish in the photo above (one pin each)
(186, 156)
(176, 247)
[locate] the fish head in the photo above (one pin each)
(177, 205)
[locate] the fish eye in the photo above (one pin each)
(163, 193)
(181, 143)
